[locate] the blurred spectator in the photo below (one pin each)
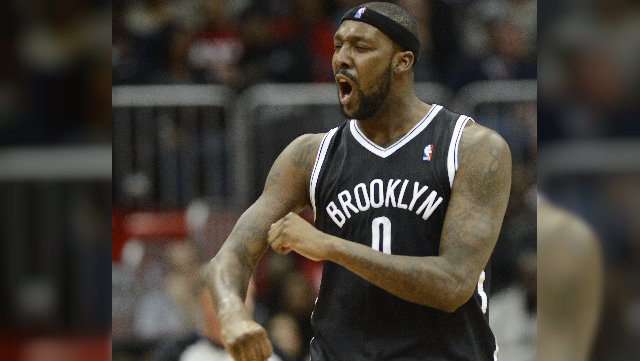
(171, 312)
(218, 47)
(311, 20)
(58, 53)
(209, 345)
(589, 93)
(175, 67)
(285, 332)
(275, 51)
(570, 282)
(502, 48)
(422, 12)
(148, 24)
(591, 86)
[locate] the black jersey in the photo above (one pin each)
(394, 200)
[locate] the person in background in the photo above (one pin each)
(208, 347)
(570, 284)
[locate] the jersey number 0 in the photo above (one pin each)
(385, 224)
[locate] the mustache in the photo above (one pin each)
(344, 73)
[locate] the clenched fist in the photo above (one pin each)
(246, 340)
(293, 233)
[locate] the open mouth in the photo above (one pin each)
(345, 89)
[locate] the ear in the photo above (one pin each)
(403, 60)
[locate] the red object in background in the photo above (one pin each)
(321, 42)
(118, 237)
(56, 348)
(145, 226)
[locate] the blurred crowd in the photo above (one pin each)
(589, 106)
(55, 81)
(240, 43)
(55, 73)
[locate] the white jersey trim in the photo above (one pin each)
(317, 166)
(385, 152)
(452, 156)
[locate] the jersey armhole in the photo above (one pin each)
(317, 166)
(452, 156)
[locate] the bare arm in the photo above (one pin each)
(229, 271)
(478, 201)
(570, 277)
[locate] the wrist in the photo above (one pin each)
(233, 315)
(231, 308)
(331, 246)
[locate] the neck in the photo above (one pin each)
(397, 115)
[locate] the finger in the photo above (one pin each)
(278, 222)
(249, 350)
(277, 246)
(266, 348)
(257, 351)
(242, 353)
(259, 340)
(235, 352)
(275, 230)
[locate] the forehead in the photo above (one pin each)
(350, 29)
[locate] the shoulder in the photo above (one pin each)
(476, 136)
(302, 151)
(307, 142)
(484, 164)
(292, 169)
(562, 232)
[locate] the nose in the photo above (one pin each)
(342, 59)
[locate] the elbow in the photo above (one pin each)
(460, 294)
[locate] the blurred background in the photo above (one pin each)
(189, 99)
(55, 180)
(589, 144)
(207, 93)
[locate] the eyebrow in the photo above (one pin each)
(352, 38)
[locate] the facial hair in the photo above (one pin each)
(371, 102)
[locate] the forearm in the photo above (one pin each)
(428, 281)
(227, 281)
(229, 272)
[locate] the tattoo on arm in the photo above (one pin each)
(478, 202)
(472, 223)
(286, 189)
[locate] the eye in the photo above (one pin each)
(361, 47)
(337, 46)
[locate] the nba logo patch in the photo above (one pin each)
(428, 150)
(359, 12)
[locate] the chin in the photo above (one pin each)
(349, 113)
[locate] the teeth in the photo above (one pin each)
(343, 81)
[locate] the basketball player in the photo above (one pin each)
(570, 278)
(408, 200)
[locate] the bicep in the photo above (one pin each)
(478, 201)
(286, 189)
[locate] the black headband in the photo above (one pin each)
(392, 29)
